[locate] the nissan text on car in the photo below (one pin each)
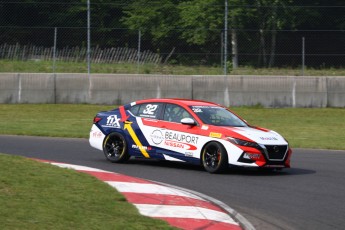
(197, 132)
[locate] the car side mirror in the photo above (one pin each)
(188, 121)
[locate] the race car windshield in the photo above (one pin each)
(218, 116)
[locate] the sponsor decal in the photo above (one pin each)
(141, 147)
(157, 137)
(199, 108)
(196, 110)
(269, 138)
(252, 156)
(150, 120)
(182, 141)
(188, 154)
(215, 135)
(174, 144)
(113, 122)
(179, 145)
(181, 137)
(204, 127)
(97, 134)
(175, 140)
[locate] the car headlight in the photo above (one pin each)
(240, 142)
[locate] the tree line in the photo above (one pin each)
(261, 28)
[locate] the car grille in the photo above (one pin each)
(276, 152)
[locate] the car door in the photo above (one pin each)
(173, 139)
(145, 113)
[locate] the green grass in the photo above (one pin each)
(303, 127)
(35, 195)
(41, 66)
(48, 120)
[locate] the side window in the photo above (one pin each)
(135, 110)
(175, 113)
(149, 110)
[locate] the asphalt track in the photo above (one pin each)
(310, 195)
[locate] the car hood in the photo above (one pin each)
(265, 137)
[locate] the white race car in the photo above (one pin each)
(197, 132)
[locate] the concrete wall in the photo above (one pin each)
(119, 89)
(269, 91)
(26, 88)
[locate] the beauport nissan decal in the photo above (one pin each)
(173, 139)
(181, 137)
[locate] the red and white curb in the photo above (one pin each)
(179, 207)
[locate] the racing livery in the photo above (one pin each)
(197, 132)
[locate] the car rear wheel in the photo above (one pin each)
(115, 148)
(214, 157)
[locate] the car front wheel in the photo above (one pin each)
(115, 148)
(214, 157)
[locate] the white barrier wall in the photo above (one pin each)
(268, 91)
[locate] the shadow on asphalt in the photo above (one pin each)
(230, 171)
(267, 172)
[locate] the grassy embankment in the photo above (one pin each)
(41, 66)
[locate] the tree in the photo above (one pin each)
(203, 20)
(199, 20)
(155, 18)
(272, 15)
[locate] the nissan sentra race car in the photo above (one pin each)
(192, 131)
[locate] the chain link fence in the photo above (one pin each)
(171, 37)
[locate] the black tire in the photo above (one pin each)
(214, 157)
(115, 148)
